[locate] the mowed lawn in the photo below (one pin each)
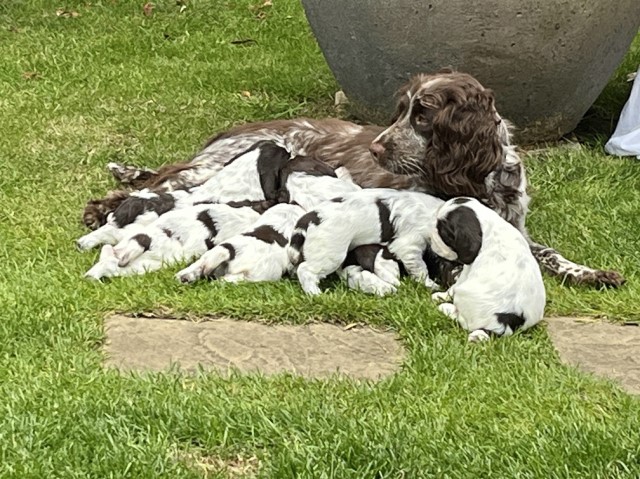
(101, 81)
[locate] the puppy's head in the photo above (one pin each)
(445, 132)
(458, 233)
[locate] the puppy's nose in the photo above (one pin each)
(376, 149)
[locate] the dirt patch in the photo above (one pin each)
(232, 467)
(313, 350)
(605, 349)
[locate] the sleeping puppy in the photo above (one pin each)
(251, 177)
(307, 182)
(367, 265)
(373, 269)
(175, 236)
(140, 208)
(500, 288)
(402, 220)
(257, 254)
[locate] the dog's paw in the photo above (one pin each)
(431, 284)
(449, 310)
(388, 271)
(441, 297)
(369, 283)
(609, 279)
(312, 290)
(85, 243)
(96, 273)
(478, 336)
(188, 275)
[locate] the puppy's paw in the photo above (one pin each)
(312, 290)
(369, 283)
(449, 310)
(388, 271)
(478, 336)
(188, 275)
(93, 276)
(431, 284)
(441, 297)
(85, 243)
(97, 272)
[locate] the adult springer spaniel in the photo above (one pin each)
(446, 139)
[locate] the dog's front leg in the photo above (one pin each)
(409, 252)
(106, 234)
(556, 264)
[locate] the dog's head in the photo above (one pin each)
(458, 233)
(445, 132)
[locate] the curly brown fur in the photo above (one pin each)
(445, 133)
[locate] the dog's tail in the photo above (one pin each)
(217, 262)
(295, 246)
(132, 249)
(299, 235)
(510, 322)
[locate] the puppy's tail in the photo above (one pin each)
(510, 322)
(132, 249)
(299, 235)
(217, 261)
(295, 246)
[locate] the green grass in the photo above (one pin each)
(113, 84)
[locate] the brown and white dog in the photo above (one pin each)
(446, 138)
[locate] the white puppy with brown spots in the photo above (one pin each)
(307, 182)
(257, 254)
(176, 236)
(140, 208)
(500, 288)
(401, 220)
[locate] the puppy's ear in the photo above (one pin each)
(461, 231)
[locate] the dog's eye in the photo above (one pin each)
(423, 117)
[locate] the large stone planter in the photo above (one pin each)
(547, 60)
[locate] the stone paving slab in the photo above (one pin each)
(605, 349)
(313, 350)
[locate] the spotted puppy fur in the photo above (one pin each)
(402, 220)
(258, 254)
(140, 208)
(500, 288)
(175, 236)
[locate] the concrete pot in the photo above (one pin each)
(547, 60)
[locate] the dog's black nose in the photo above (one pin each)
(376, 149)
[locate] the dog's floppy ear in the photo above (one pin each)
(460, 230)
(271, 161)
